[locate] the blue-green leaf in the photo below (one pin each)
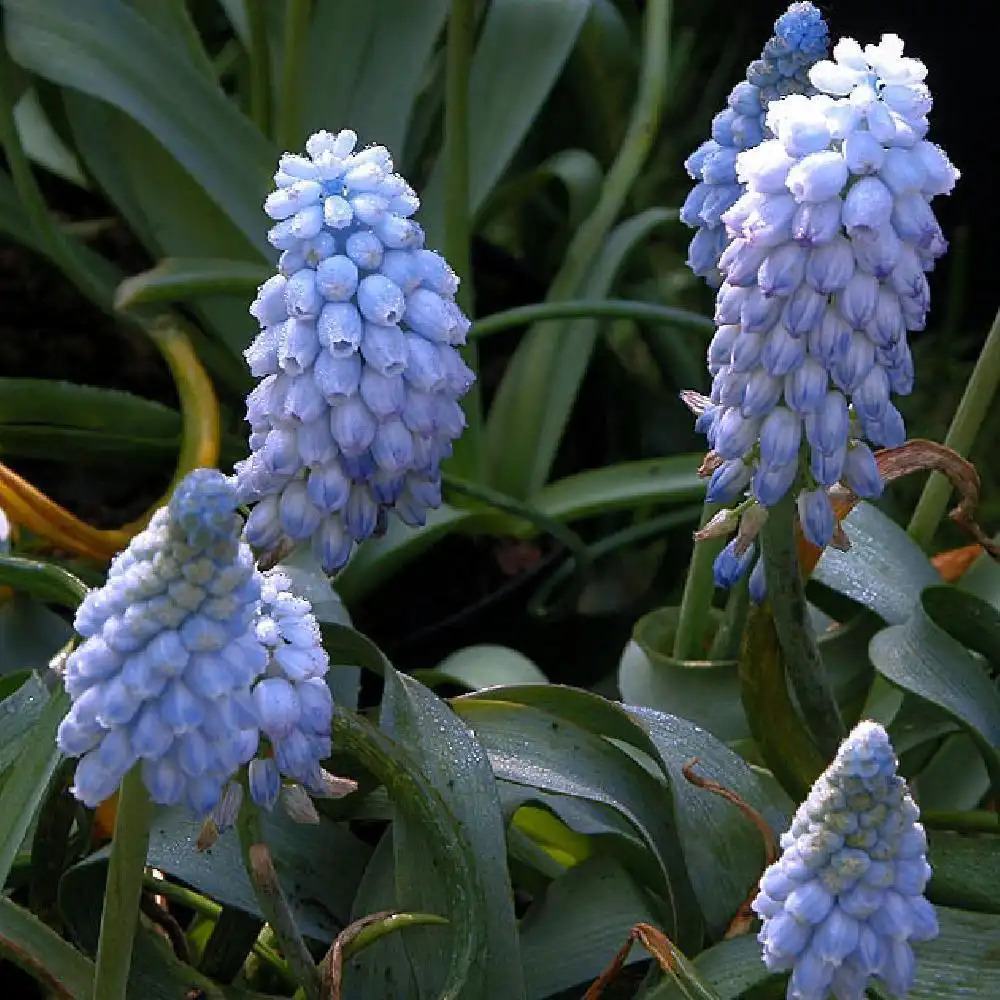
(570, 936)
(105, 49)
(539, 388)
(920, 657)
(459, 769)
(885, 570)
(521, 51)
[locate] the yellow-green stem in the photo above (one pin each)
(123, 889)
(696, 601)
(969, 416)
(467, 460)
(297, 13)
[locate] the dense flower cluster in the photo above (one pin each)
(845, 899)
(800, 39)
(190, 655)
(824, 276)
(360, 378)
(292, 700)
(164, 673)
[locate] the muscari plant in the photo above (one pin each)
(214, 684)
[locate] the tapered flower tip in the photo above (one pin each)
(203, 505)
(801, 29)
(845, 900)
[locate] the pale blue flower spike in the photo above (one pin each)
(163, 675)
(800, 38)
(842, 904)
(360, 376)
(293, 703)
(824, 267)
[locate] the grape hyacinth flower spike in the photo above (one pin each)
(293, 702)
(800, 39)
(824, 276)
(169, 653)
(357, 403)
(844, 901)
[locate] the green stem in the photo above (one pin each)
(297, 14)
(969, 416)
(469, 455)
(642, 312)
(787, 599)
(635, 147)
(260, 66)
(974, 821)
(726, 642)
(123, 889)
(272, 901)
(696, 601)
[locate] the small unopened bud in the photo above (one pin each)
(226, 810)
(840, 541)
(723, 523)
(709, 464)
(695, 401)
(296, 802)
(750, 524)
(335, 787)
(207, 835)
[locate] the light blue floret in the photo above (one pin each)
(800, 39)
(357, 403)
(164, 674)
(293, 703)
(843, 903)
(824, 276)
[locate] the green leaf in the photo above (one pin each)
(105, 49)
(539, 388)
(570, 936)
(46, 581)
(966, 871)
(920, 657)
(723, 850)
(885, 570)
(42, 953)
(30, 634)
(385, 967)
(42, 143)
(616, 487)
(730, 968)
(164, 206)
(319, 895)
(27, 778)
(448, 850)
(962, 963)
(354, 90)
(704, 692)
(70, 406)
(19, 712)
(578, 173)
(176, 279)
(459, 769)
(483, 666)
(540, 750)
(542, 33)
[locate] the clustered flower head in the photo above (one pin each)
(360, 376)
(190, 656)
(824, 276)
(169, 656)
(293, 701)
(845, 899)
(800, 39)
